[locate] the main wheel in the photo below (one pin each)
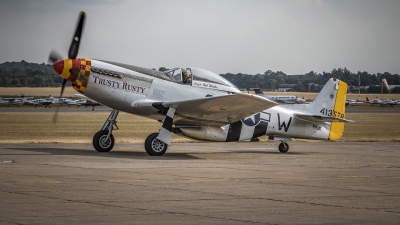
(101, 143)
(153, 146)
(283, 147)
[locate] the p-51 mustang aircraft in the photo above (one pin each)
(205, 107)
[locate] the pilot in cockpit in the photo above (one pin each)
(185, 77)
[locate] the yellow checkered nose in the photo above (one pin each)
(77, 71)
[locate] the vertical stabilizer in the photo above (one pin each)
(331, 102)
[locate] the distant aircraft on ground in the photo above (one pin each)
(375, 101)
(10, 101)
(389, 102)
(37, 102)
(84, 102)
(208, 107)
(350, 102)
(90, 104)
(61, 101)
(76, 102)
(384, 102)
(51, 101)
(287, 99)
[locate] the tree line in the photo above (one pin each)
(313, 82)
(25, 74)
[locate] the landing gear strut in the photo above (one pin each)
(156, 144)
(283, 147)
(153, 146)
(103, 140)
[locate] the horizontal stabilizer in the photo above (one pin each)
(314, 118)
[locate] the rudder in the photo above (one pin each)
(331, 102)
(337, 128)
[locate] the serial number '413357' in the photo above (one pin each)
(332, 113)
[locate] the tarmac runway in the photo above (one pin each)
(201, 183)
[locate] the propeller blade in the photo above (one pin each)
(74, 48)
(54, 57)
(58, 108)
(63, 87)
(72, 53)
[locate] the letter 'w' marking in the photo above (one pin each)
(283, 124)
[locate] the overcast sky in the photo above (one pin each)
(249, 36)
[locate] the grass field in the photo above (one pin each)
(80, 127)
(72, 127)
(372, 127)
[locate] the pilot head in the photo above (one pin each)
(184, 73)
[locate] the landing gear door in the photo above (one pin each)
(175, 74)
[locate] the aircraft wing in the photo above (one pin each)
(314, 118)
(215, 111)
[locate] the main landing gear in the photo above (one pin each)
(154, 146)
(283, 147)
(103, 140)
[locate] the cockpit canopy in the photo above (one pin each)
(201, 78)
(198, 77)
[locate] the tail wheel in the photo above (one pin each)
(153, 146)
(101, 143)
(283, 147)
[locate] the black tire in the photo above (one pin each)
(283, 147)
(153, 146)
(99, 142)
